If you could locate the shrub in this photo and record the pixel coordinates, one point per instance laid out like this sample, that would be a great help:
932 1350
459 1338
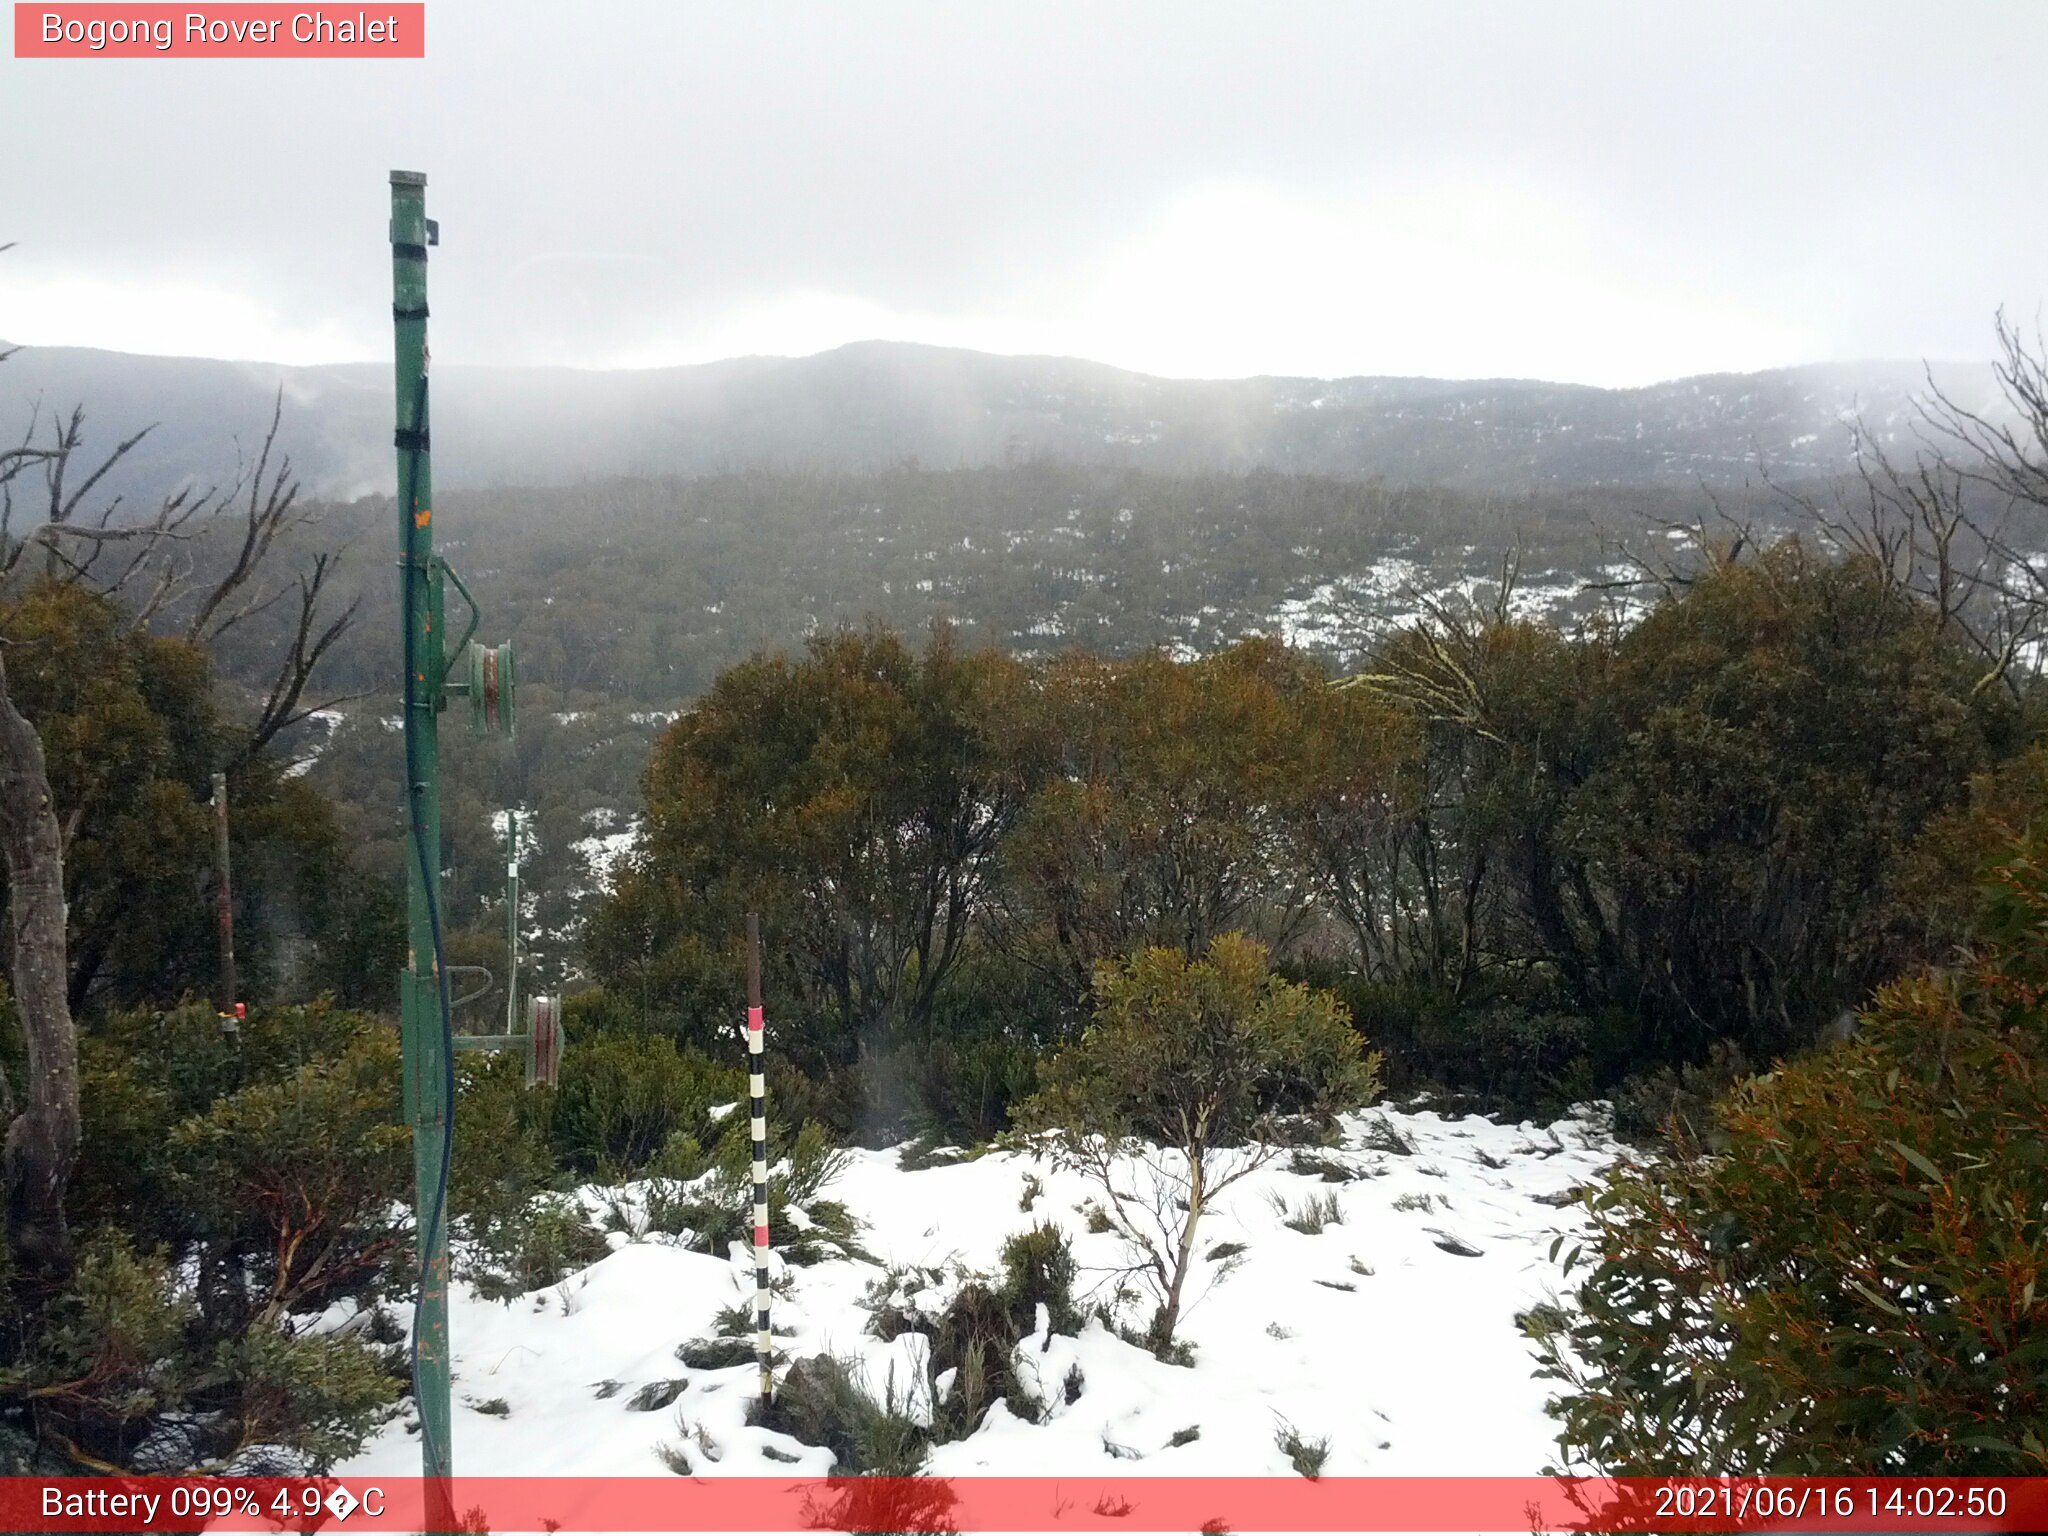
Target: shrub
1849 1284
120 1370
296 1175
823 1401
545 1243
715 1206
974 1337
1038 1269
503 1162
1305 1455
623 1096
1678 1102
1316 1213
1505 1055
890 1300
1319 1165
716 1354
1214 1058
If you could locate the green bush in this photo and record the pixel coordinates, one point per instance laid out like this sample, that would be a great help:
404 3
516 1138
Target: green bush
621 1097
1039 1269
1499 1054
547 1241
228 1186
958 1089
1850 1283
823 1401
120 1369
1216 1058
296 1176
504 1161
275 1156
1679 1102
596 1011
712 1199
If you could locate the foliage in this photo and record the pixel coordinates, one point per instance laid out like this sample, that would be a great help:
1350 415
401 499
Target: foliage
1039 1271
711 1199
235 1184
272 1155
972 1341
1791 727
1531 1061
854 800
1305 1455
504 1161
540 1245
121 1373
132 731
1851 1283
1155 809
1678 1102
1317 1212
1211 1060
621 1098
825 1401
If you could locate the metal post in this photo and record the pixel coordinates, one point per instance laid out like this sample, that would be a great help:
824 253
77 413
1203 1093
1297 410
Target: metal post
422 986
757 1090
224 899
512 922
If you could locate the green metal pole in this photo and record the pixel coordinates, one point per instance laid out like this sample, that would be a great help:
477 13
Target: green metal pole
424 1040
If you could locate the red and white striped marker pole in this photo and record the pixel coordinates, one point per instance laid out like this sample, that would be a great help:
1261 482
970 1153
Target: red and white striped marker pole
757 1090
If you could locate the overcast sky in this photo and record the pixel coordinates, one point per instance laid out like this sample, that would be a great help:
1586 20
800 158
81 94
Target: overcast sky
1608 193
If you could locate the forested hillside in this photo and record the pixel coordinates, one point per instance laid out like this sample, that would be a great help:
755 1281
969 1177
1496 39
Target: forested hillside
626 600
875 404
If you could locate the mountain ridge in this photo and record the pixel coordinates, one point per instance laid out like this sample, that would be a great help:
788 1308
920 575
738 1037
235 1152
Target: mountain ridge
871 403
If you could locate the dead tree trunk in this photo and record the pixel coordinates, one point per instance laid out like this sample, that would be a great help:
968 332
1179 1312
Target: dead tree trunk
42 1137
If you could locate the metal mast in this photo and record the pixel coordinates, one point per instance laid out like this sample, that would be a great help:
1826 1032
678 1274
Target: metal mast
426 1010
423 986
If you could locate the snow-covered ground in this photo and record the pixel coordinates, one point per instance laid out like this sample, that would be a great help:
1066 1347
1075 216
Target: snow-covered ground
1372 1332
609 842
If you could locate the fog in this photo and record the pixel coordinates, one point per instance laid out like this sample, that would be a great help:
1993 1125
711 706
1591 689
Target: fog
1599 193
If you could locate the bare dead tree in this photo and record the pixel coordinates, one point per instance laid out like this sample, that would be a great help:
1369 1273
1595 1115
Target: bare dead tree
1713 542
149 566
1960 525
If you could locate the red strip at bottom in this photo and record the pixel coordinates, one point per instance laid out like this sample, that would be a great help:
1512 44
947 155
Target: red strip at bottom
1053 1504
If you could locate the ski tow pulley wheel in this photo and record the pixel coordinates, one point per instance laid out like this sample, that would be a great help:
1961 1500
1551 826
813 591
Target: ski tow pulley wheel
491 688
543 1040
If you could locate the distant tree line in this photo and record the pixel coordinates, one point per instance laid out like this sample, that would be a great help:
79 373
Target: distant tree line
1539 861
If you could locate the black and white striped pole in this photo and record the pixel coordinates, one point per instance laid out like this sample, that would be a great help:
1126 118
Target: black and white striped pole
757 1091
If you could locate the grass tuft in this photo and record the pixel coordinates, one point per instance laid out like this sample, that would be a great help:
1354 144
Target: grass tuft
1307 1456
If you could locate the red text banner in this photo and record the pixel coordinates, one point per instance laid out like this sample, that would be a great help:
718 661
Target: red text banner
235 31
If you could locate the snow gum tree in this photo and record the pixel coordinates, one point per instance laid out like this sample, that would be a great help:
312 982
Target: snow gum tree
1190 1077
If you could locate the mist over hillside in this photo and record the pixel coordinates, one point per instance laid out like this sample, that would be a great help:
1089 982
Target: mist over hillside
874 404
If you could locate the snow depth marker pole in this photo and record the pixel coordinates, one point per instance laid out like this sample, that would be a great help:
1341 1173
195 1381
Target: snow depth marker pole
757 1090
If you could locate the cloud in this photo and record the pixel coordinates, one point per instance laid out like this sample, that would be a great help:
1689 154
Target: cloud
1585 189
170 317
1454 279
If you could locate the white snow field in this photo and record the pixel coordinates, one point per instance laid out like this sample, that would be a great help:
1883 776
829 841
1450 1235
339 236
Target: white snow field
1370 1333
